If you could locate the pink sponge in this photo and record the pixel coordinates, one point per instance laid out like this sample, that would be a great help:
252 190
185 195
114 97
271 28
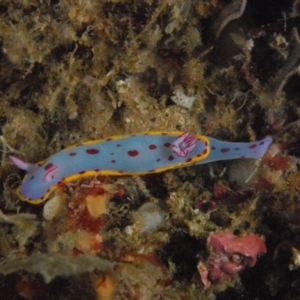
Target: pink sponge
231 255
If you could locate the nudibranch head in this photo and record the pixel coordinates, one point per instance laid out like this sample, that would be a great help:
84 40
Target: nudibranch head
37 176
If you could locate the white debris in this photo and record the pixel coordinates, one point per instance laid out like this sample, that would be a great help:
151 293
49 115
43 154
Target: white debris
52 207
148 218
181 99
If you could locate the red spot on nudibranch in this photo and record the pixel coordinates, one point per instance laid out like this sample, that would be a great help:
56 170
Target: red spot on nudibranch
171 157
167 144
252 146
152 147
51 170
92 151
224 150
164 133
81 172
151 171
188 160
133 152
97 170
204 151
121 172
146 133
48 166
205 143
108 139
72 154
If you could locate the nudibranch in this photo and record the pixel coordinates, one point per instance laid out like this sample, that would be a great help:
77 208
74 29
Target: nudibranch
138 154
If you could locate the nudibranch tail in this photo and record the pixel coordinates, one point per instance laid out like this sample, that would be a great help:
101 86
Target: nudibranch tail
22 164
220 150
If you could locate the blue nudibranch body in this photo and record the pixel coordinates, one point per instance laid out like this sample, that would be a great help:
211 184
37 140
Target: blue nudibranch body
149 152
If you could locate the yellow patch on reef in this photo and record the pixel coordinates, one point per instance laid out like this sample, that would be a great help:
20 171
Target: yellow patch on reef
104 286
97 205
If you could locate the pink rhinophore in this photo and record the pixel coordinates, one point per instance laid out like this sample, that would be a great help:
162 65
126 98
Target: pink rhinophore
20 163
